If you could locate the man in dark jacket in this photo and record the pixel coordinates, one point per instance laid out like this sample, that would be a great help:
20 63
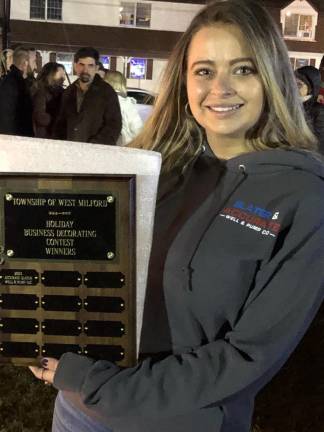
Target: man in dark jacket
15 100
309 82
90 109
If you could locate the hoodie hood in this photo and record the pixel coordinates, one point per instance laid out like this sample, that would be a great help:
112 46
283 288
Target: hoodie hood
311 77
276 160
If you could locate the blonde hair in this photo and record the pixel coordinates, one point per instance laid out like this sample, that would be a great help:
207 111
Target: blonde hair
174 133
4 60
20 55
117 81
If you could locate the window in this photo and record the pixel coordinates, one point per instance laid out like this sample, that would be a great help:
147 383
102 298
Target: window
135 14
105 60
299 21
54 9
137 68
300 26
37 9
66 59
299 62
46 9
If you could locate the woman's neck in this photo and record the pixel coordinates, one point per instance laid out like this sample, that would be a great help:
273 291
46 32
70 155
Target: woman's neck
228 148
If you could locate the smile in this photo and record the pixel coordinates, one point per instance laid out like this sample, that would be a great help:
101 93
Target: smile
224 109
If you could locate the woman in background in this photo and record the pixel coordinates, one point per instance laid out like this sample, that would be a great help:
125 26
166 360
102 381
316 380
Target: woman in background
131 120
309 82
47 98
236 270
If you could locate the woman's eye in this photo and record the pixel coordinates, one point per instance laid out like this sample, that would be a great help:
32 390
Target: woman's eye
245 70
203 72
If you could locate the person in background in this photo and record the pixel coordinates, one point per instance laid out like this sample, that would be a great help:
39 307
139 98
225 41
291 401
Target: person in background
321 92
236 270
131 120
90 109
47 98
308 82
15 99
5 61
32 71
101 70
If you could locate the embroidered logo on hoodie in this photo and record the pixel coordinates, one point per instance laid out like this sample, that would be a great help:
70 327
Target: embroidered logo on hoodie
253 217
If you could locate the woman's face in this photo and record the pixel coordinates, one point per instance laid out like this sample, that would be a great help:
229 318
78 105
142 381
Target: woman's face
224 89
58 77
302 87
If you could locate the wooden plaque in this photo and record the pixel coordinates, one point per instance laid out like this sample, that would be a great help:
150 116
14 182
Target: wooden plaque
67 267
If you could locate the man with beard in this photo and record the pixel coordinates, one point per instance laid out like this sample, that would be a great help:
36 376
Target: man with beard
90 109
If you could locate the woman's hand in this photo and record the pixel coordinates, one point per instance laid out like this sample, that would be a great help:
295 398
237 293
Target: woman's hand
47 370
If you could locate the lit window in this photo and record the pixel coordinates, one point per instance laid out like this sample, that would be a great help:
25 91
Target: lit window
300 26
137 68
299 21
46 9
66 59
105 60
135 14
297 63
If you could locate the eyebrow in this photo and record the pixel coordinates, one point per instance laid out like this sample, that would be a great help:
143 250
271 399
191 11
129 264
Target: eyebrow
232 62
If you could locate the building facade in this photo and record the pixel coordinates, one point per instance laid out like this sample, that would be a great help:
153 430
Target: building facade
136 37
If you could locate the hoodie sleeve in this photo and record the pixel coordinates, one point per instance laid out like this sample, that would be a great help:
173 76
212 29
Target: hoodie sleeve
287 294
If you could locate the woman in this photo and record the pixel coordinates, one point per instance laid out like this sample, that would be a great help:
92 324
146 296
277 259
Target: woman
47 98
309 83
6 60
131 120
238 227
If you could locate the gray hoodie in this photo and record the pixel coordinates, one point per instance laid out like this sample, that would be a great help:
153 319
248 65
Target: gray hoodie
242 277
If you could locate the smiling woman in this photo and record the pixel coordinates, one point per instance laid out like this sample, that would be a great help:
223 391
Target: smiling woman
238 226
225 92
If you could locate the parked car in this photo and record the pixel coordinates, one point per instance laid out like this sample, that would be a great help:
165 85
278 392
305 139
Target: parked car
144 101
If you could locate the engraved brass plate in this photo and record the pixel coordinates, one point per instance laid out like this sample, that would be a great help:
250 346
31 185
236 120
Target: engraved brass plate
19 277
59 225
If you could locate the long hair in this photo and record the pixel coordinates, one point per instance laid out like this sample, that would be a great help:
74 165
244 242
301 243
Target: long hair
45 76
117 80
174 133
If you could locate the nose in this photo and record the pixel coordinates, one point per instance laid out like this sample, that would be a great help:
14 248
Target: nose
221 85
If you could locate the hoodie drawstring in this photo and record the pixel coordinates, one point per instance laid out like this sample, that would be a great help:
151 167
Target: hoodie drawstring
239 179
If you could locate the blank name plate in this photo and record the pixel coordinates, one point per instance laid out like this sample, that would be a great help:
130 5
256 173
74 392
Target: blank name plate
67 267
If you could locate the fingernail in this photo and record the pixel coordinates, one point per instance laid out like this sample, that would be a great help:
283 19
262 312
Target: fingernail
44 362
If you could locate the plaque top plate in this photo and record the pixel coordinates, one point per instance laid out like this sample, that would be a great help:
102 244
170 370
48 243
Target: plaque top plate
60 226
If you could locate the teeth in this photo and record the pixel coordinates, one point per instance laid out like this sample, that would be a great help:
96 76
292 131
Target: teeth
225 109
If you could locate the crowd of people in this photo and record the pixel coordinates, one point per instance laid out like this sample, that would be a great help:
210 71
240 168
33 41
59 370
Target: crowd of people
93 109
36 104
